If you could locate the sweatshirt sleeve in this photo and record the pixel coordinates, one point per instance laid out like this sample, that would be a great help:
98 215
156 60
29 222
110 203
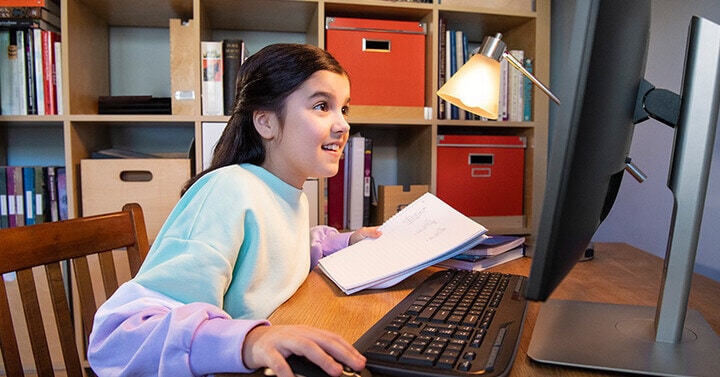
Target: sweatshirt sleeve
325 240
139 331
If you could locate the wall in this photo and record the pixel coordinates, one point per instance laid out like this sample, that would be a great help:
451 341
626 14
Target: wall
641 215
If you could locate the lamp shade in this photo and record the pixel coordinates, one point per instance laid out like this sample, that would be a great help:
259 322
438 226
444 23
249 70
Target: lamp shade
475 87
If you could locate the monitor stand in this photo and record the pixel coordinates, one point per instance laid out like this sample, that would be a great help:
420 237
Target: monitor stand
621 338
669 339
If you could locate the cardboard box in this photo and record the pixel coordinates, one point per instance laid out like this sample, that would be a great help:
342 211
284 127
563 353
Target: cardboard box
481 175
391 199
385 59
107 184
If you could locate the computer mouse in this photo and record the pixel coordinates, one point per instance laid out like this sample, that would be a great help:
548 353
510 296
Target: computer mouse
303 367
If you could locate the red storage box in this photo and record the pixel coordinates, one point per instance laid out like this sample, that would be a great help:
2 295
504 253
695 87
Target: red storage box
481 175
385 59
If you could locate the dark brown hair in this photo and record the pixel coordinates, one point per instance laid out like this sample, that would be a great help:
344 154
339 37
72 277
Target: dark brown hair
264 82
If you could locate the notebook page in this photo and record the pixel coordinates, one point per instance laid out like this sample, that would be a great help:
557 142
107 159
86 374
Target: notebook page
426 229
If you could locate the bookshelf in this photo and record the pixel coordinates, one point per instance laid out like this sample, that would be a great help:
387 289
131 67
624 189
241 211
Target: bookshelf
404 139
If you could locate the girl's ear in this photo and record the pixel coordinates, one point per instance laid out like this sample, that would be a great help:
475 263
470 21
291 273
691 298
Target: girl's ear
266 124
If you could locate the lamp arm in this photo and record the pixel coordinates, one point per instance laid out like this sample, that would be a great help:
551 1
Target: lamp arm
518 65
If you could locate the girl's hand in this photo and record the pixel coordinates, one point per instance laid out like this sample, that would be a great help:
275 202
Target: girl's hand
363 233
268 346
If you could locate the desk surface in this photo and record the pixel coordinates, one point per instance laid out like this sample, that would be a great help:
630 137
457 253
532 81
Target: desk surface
619 274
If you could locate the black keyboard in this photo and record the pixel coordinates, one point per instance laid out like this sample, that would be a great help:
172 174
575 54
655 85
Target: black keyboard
455 323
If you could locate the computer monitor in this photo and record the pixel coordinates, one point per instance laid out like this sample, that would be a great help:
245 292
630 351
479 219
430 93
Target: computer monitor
598 56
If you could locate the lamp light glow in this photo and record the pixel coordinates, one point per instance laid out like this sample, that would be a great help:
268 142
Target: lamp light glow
475 87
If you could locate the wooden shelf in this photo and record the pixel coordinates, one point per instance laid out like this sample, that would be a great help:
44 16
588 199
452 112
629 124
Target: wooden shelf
412 131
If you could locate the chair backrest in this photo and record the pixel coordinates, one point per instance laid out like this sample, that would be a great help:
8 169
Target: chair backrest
50 245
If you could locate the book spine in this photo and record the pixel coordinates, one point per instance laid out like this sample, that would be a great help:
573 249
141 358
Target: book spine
62 193
49 84
367 181
527 92
13 95
503 105
38 71
57 75
29 52
29 13
459 61
51 194
231 64
27 23
336 196
3 200
516 90
29 191
454 110
354 183
448 70
17 178
441 65
40 197
212 76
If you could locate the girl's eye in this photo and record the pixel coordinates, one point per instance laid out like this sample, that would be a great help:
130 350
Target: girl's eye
321 106
346 110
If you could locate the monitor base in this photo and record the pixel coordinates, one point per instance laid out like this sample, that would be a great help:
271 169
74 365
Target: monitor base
621 338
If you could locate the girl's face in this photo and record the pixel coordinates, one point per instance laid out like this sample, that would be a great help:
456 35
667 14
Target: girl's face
313 133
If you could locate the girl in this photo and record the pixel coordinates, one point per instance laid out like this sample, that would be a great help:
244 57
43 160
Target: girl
238 243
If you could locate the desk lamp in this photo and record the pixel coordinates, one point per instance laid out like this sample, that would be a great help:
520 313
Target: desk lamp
475 87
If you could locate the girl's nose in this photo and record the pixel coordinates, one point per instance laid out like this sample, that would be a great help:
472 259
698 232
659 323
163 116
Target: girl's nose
341 125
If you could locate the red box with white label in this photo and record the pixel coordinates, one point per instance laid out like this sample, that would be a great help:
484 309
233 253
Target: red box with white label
481 175
385 59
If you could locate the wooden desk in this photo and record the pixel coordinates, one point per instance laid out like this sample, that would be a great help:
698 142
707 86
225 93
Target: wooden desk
619 274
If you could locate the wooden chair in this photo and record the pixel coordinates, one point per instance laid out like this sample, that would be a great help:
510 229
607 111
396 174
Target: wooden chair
50 245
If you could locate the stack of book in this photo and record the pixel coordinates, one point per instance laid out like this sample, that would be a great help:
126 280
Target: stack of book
221 61
32 194
490 252
30 64
515 101
351 193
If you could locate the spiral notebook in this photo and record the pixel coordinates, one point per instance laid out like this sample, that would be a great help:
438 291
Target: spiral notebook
422 234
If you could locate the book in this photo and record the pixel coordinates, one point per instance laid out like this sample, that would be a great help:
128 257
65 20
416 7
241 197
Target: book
57 74
422 234
16 203
527 91
354 181
51 194
234 54
13 92
367 181
3 200
29 192
211 132
23 13
30 91
212 78
336 196
38 71
516 89
495 244
479 263
49 78
442 46
61 175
